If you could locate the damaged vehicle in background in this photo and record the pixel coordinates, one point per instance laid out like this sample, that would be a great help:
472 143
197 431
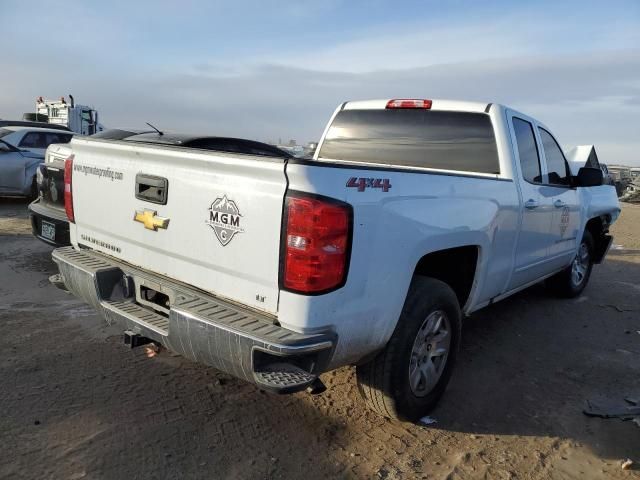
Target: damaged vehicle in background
22 150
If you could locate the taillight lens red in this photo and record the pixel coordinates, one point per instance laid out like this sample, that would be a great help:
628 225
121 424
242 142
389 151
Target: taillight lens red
68 191
317 243
409 103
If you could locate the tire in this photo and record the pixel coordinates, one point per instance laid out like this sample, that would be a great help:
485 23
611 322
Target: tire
384 382
571 281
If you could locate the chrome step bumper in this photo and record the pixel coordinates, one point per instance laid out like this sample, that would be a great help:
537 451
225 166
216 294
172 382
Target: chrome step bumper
242 342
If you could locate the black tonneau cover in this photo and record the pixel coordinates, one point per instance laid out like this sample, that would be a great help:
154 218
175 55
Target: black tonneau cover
219 144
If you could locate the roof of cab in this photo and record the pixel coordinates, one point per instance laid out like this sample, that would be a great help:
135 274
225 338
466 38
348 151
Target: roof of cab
437 104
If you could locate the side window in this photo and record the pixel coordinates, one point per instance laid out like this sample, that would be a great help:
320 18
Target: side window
33 140
527 150
557 167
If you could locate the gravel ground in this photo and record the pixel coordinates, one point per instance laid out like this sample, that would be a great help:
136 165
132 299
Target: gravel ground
75 403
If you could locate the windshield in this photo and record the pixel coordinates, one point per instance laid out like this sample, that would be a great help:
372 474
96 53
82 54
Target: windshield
11 147
4 132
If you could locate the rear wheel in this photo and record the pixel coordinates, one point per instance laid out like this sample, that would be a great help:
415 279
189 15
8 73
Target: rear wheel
571 281
406 379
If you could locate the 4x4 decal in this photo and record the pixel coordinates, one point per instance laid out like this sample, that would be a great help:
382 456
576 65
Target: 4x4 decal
363 183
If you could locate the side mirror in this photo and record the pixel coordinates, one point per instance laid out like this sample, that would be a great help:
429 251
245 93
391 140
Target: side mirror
589 177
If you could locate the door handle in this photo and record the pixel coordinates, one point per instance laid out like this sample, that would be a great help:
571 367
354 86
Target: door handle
559 204
531 204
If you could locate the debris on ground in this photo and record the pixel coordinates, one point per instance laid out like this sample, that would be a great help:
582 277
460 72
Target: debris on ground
427 420
627 464
612 408
621 309
152 350
629 409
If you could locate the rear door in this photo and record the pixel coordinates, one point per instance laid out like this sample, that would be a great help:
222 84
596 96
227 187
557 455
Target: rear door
534 239
208 219
566 205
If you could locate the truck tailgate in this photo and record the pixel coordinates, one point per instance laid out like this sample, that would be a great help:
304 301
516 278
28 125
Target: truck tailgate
218 227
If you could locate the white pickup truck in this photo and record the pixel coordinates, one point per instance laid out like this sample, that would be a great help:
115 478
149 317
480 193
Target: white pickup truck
412 214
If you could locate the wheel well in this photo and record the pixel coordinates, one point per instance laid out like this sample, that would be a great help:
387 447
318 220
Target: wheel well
595 227
598 230
455 266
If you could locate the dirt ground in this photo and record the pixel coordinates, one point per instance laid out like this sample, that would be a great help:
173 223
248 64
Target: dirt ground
75 403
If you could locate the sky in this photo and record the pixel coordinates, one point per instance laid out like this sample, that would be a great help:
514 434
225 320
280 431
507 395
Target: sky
271 70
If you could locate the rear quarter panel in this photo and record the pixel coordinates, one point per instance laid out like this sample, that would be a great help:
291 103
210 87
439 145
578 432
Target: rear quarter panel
421 213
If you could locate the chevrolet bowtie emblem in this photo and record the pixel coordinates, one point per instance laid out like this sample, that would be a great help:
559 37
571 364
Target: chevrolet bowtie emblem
150 221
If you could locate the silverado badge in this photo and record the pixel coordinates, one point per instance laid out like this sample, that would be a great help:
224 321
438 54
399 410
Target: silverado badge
149 219
224 219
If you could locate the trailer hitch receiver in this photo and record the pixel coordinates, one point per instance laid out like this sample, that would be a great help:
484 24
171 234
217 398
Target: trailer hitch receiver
133 340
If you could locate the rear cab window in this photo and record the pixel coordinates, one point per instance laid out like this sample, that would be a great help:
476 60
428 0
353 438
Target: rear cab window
444 140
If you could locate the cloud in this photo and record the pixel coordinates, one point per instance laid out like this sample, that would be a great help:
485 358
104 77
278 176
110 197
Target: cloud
580 78
424 42
592 99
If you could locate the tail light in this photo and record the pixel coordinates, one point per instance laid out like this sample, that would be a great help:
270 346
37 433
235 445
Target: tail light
409 103
316 243
68 190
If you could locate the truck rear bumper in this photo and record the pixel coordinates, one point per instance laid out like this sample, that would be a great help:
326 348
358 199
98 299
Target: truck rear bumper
242 342
39 213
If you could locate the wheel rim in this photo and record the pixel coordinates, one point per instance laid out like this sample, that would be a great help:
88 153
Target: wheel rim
580 265
429 353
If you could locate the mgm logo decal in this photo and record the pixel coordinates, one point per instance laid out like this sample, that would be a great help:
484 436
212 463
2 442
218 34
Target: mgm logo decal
224 219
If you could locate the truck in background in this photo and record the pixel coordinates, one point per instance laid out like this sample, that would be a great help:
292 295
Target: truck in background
80 119
48 221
